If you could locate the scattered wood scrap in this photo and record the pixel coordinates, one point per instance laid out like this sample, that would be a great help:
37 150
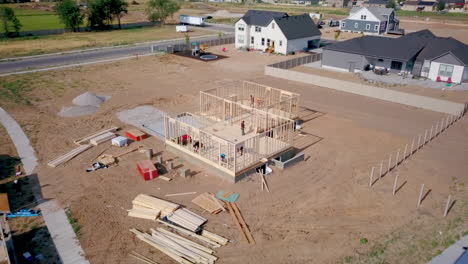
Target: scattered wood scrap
216 238
142 258
86 139
191 234
179 194
70 155
144 213
178 248
208 202
240 222
187 219
102 138
164 178
264 183
166 208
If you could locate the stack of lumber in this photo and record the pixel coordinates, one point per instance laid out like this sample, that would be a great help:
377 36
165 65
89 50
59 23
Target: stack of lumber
144 213
149 202
208 202
239 221
142 258
70 155
186 219
203 238
86 140
177 247
102 138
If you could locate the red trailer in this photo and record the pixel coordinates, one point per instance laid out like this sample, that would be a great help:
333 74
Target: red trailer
147 169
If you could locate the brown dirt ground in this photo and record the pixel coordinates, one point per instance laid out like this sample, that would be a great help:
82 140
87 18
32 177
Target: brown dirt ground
317 210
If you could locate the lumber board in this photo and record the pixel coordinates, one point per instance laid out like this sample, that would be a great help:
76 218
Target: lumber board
243 224
85 140
190 233
206 201
236 221
185 240
142 258
68 156
164 178
144 213
101 138
216 238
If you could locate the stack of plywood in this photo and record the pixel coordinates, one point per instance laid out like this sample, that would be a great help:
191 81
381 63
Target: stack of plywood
186 219
86 140
149 202
208 202
102 138
144 213
70 155
177 247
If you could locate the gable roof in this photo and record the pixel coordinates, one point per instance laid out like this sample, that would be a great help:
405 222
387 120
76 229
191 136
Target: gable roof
295 27
438 47
260 17
380 13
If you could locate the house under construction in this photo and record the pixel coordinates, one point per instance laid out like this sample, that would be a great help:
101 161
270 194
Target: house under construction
236 129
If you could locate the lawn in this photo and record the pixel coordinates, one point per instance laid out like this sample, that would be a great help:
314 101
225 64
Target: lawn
34 18
26 46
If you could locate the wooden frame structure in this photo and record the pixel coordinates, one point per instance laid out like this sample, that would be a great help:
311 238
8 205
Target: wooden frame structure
214 134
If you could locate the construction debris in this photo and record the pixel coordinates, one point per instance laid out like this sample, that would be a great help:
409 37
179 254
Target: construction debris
96 166
164 178
186 219
144 213
178 194
166 208
208 202
227 196
102 138
70 155
106 159
178 248
142 258
86 139
216 238
240 222
191 234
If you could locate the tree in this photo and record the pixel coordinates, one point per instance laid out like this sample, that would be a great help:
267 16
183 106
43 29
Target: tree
440 5
11 24
117 9
70 15
99 14
160 10
391 4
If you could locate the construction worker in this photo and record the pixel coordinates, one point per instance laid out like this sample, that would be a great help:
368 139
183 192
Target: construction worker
243 127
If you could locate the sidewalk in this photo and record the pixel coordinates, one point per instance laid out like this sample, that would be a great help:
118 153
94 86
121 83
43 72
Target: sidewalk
62 234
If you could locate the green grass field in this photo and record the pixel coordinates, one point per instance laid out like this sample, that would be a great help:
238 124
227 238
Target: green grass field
34 19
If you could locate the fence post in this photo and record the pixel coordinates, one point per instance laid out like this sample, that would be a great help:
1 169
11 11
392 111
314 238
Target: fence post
381 167
430 136
396 159
412 145
420 194
436 128
404 154
395 183
447 206
419 141
389 163
371 177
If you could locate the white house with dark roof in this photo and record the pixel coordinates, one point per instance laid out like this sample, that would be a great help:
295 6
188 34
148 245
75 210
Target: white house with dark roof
277 31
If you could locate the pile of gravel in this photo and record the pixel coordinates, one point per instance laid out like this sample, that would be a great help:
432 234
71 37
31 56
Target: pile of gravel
86 104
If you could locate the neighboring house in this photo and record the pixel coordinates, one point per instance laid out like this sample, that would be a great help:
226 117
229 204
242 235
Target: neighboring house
277 31
305 2
420 54
371 21
419 6
375 3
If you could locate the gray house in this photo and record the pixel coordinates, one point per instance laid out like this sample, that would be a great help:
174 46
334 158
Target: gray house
420 53
371 21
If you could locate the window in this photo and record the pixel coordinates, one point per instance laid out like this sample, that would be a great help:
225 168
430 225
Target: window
281 43
356 25
241 27
258 29
273 25
367 26
380 60
396 65
343 24
268 42
376 27
251 40
263 41
363 17
240 39
445 70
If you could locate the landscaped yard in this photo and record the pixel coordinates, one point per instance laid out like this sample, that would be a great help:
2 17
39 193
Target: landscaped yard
54 43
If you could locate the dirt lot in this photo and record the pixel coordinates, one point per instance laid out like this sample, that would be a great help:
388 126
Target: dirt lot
318 210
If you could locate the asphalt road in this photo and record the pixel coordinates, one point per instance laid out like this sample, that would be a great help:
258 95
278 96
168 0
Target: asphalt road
75 57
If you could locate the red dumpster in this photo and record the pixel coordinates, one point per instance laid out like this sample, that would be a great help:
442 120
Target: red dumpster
147 170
